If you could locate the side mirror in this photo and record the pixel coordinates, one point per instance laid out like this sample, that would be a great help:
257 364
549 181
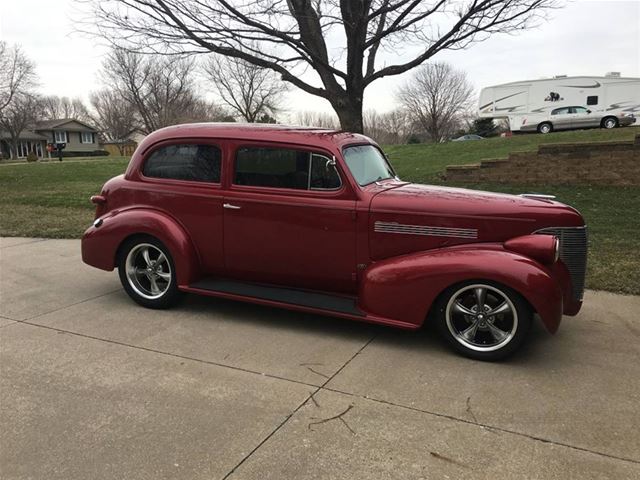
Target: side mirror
588 111
330 163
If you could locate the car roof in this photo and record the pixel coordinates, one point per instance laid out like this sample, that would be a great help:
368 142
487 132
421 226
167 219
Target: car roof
308 136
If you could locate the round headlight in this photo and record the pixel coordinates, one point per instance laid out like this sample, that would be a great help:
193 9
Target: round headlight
556 255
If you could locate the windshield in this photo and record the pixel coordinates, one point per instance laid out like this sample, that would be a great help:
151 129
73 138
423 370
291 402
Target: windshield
367 164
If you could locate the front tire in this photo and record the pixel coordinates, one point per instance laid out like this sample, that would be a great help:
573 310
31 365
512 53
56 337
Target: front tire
483 320
610 122
545 127
147 272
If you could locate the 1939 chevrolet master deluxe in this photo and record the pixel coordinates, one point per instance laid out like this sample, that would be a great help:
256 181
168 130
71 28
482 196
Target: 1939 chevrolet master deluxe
316 220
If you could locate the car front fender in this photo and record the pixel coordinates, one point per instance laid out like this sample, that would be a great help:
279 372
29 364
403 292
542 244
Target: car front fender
100 244
404 288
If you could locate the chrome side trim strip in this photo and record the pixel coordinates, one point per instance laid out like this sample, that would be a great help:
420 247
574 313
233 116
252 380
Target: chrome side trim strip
394 227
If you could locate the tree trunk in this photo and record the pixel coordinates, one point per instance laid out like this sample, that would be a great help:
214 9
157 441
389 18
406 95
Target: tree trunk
349 111
14 149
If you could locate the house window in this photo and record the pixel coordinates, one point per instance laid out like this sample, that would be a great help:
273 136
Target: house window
86 137
592 100
59 136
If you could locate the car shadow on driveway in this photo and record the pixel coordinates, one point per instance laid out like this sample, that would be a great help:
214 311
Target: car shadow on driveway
425 338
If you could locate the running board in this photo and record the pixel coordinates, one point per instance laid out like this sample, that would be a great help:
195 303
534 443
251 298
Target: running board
302 298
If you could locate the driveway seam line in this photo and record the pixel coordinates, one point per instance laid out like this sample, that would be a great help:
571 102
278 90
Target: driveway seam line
304 402
36 240
317 389
175 355
68 306
483 425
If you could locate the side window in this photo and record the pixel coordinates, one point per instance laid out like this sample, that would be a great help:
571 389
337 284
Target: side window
560 111
284 168
324 175
196 163
592 100
579 110
272 167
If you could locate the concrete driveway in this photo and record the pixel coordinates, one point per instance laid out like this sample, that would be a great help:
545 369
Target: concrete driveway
93 386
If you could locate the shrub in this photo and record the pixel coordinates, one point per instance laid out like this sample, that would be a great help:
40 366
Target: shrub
32 157
94 153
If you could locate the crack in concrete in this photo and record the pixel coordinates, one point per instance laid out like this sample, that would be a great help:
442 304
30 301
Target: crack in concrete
491 428
335 417
232 471
317 388
469 411
447 459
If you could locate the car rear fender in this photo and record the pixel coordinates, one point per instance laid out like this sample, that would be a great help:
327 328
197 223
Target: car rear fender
404 288
100 244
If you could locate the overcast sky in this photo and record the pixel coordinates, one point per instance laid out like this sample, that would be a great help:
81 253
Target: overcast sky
587 37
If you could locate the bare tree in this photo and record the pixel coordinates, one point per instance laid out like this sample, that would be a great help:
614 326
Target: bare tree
17 74
291 37
437 97
18 116
54 107
316 119
388 128
248 90
160 88
114 117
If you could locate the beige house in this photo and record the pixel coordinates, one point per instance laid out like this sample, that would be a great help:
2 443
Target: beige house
78 136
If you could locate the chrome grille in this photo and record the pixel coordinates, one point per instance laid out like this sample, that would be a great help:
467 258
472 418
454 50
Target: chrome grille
573 252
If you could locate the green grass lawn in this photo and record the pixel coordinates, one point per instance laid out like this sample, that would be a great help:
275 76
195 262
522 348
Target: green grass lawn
51 199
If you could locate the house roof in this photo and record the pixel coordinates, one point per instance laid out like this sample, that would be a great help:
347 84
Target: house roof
61 122
24 135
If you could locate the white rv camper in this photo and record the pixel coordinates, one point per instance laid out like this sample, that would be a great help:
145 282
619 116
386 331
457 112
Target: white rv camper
527 104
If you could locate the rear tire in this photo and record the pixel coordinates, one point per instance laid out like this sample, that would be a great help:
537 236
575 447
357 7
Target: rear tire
492 334
545 127
147 272
609 122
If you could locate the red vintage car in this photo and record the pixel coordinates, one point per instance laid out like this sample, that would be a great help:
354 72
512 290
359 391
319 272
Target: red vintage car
316 220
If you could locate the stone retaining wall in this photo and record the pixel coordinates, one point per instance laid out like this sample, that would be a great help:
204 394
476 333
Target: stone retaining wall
596 163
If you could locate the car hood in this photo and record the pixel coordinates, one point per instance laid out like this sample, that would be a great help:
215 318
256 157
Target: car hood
444 204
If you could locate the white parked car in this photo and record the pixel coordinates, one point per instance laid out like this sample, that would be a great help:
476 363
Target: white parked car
572 118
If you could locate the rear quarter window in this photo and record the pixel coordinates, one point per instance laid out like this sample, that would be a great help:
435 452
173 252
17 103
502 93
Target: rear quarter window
189 162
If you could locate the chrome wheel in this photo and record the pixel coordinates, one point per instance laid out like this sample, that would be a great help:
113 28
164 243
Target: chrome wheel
481 317
148 271
610 123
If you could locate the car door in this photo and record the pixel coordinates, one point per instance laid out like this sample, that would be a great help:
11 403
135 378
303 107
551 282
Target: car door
584 118
562 118
289 219
182 177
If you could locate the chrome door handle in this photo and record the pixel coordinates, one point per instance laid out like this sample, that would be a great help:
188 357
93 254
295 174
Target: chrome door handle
231 207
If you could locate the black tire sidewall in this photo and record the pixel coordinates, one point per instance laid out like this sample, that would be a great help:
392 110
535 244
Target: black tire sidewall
540 127
524 322
171 296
